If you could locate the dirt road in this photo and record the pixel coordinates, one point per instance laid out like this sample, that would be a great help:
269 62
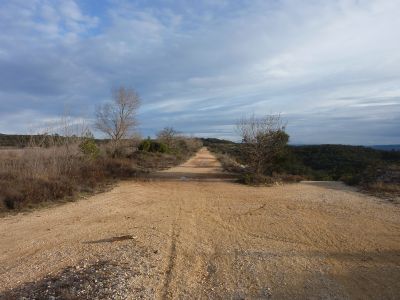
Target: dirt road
185 239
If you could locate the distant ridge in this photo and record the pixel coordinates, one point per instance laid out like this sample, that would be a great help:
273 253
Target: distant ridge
16 140
395 147
386 147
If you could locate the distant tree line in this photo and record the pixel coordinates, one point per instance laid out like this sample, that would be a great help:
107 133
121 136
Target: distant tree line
351 164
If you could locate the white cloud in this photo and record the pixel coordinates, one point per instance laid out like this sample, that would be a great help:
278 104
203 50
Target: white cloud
202 63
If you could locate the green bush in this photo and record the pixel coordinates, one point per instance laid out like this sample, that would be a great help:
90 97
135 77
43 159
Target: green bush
153 146
354 165
145 145
89 148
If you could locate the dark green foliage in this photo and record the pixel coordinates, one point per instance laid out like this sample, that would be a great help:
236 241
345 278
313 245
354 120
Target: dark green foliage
354 165
42 140
145 145
229 148
182 149
89 148
394 148
149 145
351 164
21 141
14 140
351 179
212 141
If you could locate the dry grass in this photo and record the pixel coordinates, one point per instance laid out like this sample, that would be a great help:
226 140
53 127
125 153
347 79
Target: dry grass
229 164
31 176
35 175
37 162
389 191
386 187
246 177
181 149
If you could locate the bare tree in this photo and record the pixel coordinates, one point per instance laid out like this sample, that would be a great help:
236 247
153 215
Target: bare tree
118 118
167 136
263 140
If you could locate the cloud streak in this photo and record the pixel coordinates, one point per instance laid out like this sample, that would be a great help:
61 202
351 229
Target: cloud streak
331 68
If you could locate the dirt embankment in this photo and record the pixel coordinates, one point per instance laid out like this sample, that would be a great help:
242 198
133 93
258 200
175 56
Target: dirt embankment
187 238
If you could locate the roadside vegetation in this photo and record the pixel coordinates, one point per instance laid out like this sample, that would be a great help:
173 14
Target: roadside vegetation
36 175
264 157
263 146
66 161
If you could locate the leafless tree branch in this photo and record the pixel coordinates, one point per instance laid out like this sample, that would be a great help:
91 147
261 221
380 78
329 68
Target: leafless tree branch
117 119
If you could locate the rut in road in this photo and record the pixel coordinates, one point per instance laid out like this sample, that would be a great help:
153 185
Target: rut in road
171 260
195 234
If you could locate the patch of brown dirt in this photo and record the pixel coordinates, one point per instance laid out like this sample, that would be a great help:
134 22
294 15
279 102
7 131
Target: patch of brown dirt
203 166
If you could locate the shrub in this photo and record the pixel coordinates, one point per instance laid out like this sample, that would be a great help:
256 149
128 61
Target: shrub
145 145
256 179
230 164
187 146
153 146
11 198
27 192
35 175
350 179
152 161
264 142
119 168
382 187
89 148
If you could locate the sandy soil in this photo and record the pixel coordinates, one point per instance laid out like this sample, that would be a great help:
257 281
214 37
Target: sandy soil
220 240
203 166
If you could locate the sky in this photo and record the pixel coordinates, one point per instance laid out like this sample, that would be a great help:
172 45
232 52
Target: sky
331 68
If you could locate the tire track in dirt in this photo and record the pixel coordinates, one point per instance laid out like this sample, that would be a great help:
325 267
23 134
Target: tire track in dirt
171 263
172 254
